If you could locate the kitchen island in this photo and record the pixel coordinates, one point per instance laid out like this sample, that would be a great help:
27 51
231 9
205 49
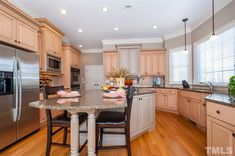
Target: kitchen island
142 115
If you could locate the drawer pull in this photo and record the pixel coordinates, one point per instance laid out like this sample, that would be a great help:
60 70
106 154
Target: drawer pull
204 104
233 134
218 112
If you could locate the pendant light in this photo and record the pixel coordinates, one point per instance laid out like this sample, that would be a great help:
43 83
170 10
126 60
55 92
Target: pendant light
213 36
185 37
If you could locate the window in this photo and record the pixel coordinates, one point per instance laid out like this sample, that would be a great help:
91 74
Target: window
215 59
179 66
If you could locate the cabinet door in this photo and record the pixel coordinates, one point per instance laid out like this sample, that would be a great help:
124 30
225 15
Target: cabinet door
7 28
114 61
133 61
161 63
107 63
160 100
220 135
134 117
171 102
48 40
202 121
194 110
57 45
144 112
184 106
27 37
155 64
142 64
148 64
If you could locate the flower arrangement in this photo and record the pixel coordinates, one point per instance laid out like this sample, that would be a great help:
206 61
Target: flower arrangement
120 73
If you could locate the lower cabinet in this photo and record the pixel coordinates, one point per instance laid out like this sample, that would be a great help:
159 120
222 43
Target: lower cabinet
167 99
192 106
220 130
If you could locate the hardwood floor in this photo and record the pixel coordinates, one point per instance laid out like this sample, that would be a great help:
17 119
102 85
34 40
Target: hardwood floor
174 136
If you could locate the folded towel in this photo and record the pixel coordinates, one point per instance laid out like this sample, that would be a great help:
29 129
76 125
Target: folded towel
68 94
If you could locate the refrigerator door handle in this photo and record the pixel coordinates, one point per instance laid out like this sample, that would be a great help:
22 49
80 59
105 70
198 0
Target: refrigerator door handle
19 90
16 90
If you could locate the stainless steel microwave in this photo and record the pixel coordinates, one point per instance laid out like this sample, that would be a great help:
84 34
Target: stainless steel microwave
53 63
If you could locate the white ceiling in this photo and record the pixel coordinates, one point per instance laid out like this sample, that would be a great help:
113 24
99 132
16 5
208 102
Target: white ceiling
137 23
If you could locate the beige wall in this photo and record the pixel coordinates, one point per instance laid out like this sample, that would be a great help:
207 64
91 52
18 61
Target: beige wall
89 59
223 17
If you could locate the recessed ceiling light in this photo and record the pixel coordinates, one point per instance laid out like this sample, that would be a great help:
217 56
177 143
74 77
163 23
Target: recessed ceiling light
105 9
128 7
80 30
62 11
154 27
116 28
80 46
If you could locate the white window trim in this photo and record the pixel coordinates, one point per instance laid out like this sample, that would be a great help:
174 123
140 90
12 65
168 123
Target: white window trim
189 48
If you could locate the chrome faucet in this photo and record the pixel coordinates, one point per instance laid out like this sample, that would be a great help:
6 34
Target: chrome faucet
209 84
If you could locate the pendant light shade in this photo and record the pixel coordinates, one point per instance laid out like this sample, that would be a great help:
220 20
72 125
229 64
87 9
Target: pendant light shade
185 37
213 36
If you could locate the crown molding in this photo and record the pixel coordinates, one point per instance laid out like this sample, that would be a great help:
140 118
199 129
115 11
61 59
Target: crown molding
177 33
131 41
91 50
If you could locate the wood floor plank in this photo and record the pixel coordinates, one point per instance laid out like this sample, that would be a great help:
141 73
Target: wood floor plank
173 136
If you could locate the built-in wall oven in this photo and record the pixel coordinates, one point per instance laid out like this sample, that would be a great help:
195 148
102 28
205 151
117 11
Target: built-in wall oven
53 63
75 73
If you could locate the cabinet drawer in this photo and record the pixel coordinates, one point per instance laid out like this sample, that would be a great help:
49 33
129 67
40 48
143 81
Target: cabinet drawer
166 91
221 112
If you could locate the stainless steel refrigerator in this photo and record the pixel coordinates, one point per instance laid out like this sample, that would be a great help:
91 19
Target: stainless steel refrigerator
19 85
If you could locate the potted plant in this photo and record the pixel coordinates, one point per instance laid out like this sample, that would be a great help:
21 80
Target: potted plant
231 86
120 75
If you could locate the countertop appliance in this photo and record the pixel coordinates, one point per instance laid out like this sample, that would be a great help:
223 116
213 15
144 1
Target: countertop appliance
75 73
19 85
158 81
53 63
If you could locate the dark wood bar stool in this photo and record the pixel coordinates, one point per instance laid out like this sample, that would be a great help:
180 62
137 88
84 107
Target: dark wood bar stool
62 122
114 120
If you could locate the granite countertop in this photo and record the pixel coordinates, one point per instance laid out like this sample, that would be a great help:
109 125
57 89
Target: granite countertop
187 89
223 99
141 91
91 100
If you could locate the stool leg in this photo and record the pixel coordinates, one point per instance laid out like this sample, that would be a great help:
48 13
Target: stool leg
101 136
97 138
128 142
65 135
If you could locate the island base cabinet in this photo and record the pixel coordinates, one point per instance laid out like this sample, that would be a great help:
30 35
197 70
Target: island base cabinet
142 120
220 138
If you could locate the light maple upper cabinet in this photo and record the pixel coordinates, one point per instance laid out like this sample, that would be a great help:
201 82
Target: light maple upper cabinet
17 28
110 60
152 62
27 37
51 42
7 28
75 58
220 129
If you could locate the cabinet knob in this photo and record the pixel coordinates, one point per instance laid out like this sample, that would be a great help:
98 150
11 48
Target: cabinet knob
204 104
218 112
233 134
15 40
18 41
189 101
